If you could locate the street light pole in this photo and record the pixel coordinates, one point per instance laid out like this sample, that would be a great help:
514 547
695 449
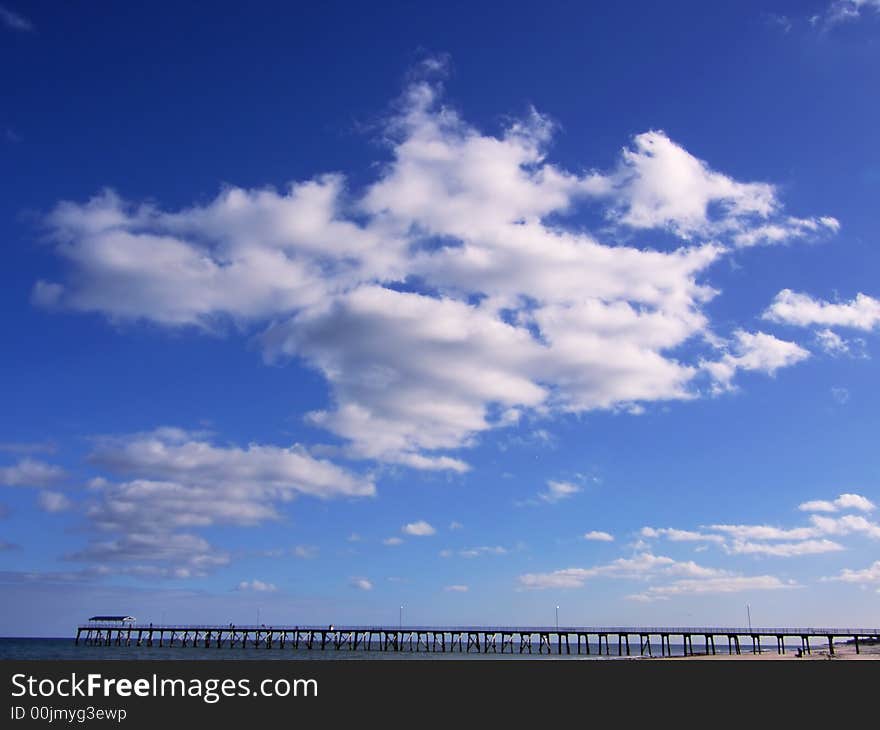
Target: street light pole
557 618
749 614
400 618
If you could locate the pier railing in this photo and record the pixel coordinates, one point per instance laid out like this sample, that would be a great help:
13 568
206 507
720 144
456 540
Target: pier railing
632 630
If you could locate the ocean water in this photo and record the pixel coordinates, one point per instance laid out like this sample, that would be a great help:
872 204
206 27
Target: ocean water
64 648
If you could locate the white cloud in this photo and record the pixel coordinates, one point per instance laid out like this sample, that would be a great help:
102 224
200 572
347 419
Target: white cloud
840 395
675 535
476 552
755 351
557 491
784 549
54 501
31 473
418 529
178 481
660 185
456 525
599 536
257 586
867 575
846 525
456 589
362 584
682 577
440 301
765 532
843 502
305 552
180 555
392 541
786 230
15 21
724 584
840 11
268 471
354 537
836 346
789 307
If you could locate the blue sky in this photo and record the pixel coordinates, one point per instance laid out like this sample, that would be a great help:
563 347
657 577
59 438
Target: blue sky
476 309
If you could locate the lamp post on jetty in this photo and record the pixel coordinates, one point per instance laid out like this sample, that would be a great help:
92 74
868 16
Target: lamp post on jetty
557 618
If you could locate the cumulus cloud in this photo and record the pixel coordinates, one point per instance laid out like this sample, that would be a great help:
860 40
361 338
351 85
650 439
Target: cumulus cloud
661 185
31 473
418 529
754 351
448 296
789 307
257 586
843 502
846 525
599 536
392 541
362 584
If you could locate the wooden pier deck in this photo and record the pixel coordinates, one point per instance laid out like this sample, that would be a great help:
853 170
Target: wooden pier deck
540 640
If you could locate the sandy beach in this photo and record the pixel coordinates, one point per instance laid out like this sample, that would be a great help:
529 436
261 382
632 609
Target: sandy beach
843 652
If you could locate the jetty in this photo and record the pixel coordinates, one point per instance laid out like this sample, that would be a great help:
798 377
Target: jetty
542 640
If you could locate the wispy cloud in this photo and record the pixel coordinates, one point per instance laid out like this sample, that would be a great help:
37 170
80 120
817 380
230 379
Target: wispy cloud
362 584
173 483
15 21
256 586
557 491
305 552
54 502
675 535
686 577
475 552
